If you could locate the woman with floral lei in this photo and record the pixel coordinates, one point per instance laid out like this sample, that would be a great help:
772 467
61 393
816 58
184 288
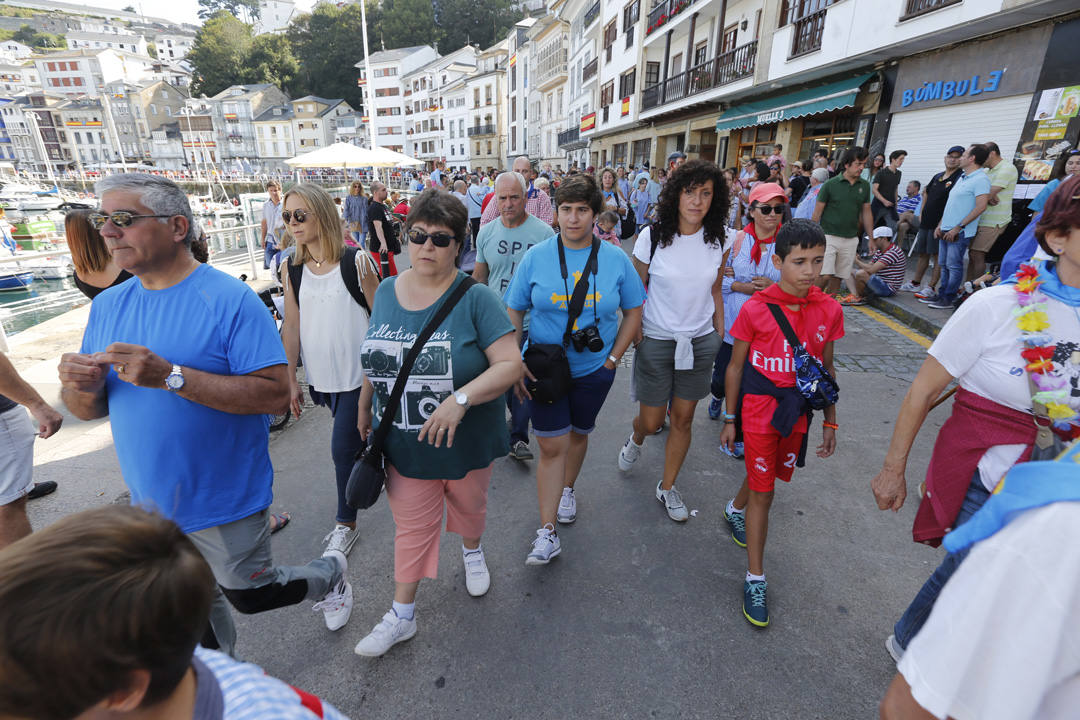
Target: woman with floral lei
1014 350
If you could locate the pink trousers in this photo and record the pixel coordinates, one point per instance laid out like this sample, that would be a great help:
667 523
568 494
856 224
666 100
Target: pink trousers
418 506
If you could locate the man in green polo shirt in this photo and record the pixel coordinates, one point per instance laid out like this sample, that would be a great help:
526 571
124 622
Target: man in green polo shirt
998 213
842 203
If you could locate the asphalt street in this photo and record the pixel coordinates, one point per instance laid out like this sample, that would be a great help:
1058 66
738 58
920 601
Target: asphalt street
639 616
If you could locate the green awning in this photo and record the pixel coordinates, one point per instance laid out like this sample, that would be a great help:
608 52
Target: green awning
811 101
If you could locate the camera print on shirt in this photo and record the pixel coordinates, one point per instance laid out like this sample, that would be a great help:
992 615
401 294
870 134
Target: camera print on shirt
562 301
430 382
1067 365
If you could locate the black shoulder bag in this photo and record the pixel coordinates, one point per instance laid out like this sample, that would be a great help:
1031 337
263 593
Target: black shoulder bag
369 468
627 223
548 362
812 380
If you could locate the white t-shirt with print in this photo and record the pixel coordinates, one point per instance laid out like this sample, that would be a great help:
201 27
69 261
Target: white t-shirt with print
980 346
681 278
1002 642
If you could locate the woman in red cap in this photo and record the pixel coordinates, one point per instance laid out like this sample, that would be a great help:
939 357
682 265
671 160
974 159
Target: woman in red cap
749 269
682 258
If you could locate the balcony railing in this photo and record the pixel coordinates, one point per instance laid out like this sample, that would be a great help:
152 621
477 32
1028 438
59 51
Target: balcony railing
729 67
914 8
572 135
481 130
591 14
806 35
589 71
663 12
551 67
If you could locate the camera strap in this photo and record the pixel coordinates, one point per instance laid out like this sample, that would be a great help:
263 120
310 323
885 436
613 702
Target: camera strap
576 303
378 438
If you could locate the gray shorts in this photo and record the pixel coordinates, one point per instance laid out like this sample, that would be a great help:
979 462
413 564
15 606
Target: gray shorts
17 434
656 380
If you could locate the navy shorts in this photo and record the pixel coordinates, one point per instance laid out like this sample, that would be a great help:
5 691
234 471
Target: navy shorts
576 411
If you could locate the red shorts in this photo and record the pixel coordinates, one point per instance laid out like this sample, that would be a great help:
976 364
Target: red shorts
769 458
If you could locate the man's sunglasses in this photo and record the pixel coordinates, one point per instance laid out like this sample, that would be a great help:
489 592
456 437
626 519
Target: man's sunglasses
769 209
120 218
300 215
439 240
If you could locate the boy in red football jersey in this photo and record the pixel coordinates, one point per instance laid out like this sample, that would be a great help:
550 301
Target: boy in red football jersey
775 417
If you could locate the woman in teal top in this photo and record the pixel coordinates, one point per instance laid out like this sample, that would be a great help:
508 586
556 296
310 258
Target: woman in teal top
538 287
450 425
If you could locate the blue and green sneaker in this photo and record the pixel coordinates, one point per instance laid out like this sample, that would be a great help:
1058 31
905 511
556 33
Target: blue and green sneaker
737 523
754 607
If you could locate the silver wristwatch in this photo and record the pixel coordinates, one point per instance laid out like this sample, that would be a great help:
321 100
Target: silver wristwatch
175 381
462 399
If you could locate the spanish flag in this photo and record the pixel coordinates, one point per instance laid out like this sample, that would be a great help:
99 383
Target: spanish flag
626 105
513 60
588 122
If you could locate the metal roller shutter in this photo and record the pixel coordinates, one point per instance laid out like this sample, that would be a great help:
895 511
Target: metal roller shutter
927 134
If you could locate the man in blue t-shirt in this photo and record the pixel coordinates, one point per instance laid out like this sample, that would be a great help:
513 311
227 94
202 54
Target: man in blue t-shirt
959 223
186 363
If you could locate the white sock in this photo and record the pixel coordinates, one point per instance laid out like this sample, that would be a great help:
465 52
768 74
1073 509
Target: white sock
404 610
750 577
466 551
732 509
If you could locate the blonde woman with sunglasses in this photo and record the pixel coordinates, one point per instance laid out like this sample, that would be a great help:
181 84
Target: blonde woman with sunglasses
326 322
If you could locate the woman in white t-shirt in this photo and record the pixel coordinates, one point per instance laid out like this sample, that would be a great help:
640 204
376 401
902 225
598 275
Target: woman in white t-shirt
325 322
1015 351
683 318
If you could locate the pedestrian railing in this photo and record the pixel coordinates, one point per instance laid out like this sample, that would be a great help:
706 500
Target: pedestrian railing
222 240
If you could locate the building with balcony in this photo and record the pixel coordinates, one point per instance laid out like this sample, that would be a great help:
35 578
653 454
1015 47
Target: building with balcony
198 137
274 16
233 110
126 41
485 138
352 128
581 87
24 147
315 121
548 59
458 113
274 131
167 147
387 96
618 83
429 138
172 44
517 97
84 72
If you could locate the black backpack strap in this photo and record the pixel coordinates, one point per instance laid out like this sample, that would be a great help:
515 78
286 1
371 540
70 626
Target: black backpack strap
296 274
785 326
378 438
654 237
348 275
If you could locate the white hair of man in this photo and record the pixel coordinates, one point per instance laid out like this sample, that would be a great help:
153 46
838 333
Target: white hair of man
514 175
160 195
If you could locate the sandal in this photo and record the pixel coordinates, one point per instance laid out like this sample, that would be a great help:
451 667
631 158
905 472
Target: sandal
278 521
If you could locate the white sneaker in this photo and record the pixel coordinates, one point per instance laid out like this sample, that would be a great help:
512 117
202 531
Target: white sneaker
567 507
336 606
894 648
909 287
672 500
388 633
477 577
545 546
341 539
629 453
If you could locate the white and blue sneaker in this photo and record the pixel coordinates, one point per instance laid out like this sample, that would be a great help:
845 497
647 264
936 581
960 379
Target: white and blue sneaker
545 546
629 453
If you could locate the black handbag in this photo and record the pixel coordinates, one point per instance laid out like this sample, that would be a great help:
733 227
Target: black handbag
628 224
548 361
368 473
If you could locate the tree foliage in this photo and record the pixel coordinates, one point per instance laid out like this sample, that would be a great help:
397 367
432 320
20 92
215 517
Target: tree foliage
270 60
471 22
327 43
151 50
405 23
221 46
237 8
37 39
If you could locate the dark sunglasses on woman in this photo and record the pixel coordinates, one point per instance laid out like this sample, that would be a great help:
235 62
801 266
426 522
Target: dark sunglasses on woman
769 209
439 240
300 215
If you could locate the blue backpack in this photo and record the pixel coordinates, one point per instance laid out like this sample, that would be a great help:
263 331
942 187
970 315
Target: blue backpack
812 380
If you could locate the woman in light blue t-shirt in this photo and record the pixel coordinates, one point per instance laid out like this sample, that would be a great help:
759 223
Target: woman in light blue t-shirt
539 288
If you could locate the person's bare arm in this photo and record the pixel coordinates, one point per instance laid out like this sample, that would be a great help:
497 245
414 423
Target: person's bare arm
378 226
480 272
899 704
261 391
819 208
642 270
889 485
994 190
15 388
732 386
83 386
718 298
363 409
290 337
629 329
828 434
867 219
503 372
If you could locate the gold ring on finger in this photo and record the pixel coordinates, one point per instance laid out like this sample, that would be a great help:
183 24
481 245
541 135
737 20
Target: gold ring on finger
119 369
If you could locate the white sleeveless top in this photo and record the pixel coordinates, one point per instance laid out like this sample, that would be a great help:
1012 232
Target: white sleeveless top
332 329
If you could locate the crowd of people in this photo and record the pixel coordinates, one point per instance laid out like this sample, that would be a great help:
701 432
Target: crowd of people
519 305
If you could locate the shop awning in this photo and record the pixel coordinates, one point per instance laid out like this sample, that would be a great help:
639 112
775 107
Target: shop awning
812 101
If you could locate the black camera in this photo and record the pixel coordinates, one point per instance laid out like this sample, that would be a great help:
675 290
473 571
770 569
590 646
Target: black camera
587 338
380 362
420 403
432 360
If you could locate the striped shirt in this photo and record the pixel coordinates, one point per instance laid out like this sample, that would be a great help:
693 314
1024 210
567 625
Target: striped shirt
537 204
909 203
895 266
231 690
